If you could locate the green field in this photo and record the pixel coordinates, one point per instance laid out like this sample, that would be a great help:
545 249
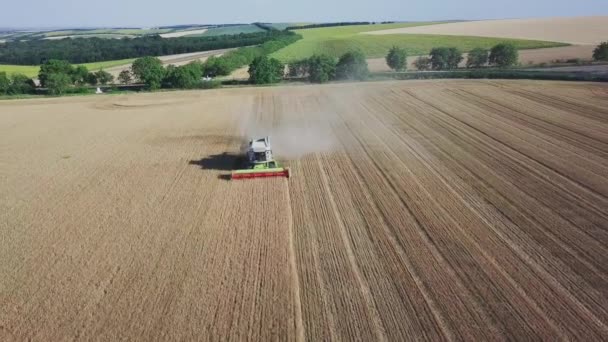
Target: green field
282 26
335 41
107 64
32 70
219 31
27 70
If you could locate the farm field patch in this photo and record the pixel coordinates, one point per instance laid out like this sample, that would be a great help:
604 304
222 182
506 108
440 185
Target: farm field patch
228 30
335 41
571 30
434 210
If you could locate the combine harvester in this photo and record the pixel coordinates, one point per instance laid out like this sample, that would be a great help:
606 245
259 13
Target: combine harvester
260 162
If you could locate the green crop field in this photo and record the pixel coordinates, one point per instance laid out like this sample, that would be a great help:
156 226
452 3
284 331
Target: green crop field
27 70
335 41
218 31
282 26
97 33
32 70
107 64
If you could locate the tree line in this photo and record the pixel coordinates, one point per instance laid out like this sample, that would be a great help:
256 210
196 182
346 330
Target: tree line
59 77
502 55
323 68
16 84
86 50
448 58
149 70
227 63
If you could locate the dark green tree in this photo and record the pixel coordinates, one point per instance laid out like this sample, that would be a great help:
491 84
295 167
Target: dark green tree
439 58
92 79
454 58
149 71
423 63
397 59
264 70
477 58
600 53
183 77
125 77
5 83
58 83
504 55
321 68
218 66
444 58
352 66
298 68
54 66
80 74
104 77
21 84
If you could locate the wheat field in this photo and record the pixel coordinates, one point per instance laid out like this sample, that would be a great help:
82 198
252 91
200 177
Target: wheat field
426 210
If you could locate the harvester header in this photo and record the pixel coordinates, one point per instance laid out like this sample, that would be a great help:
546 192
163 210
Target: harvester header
260 162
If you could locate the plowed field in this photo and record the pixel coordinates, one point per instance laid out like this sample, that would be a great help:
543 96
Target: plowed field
439 210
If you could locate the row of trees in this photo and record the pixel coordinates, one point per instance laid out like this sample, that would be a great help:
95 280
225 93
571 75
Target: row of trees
322 68
85 50
16 84
317 69
59 75
151 72
226 64
448 58
56 76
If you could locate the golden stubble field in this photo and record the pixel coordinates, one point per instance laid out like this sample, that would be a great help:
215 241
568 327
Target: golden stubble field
427 210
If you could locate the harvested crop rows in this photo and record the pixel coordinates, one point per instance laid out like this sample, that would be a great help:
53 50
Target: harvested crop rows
439 210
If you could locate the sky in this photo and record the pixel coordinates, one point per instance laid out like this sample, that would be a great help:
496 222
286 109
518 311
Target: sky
150 13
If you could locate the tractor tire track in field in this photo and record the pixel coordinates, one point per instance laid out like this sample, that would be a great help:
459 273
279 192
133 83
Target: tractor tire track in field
443 210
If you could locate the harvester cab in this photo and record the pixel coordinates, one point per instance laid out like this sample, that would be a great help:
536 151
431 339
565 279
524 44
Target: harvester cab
260 162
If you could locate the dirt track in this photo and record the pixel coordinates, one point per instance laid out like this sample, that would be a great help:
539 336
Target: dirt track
441 210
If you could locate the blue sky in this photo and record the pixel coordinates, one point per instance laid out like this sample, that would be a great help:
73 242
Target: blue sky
61 13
